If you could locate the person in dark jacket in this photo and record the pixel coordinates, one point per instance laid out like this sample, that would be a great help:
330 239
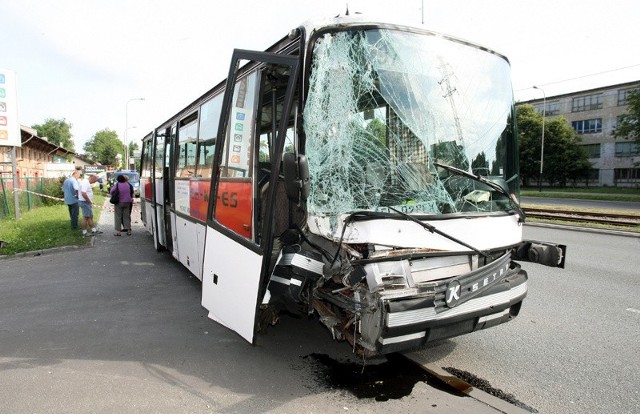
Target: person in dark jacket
122 210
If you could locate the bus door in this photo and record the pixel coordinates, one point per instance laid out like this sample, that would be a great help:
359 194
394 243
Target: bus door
164 221
146 196
162 190
235 261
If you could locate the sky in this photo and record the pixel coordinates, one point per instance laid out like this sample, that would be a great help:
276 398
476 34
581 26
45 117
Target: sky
88 61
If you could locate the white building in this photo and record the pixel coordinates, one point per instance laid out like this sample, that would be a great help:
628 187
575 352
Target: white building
594 114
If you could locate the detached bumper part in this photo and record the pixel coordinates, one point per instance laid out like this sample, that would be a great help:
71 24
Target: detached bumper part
544 253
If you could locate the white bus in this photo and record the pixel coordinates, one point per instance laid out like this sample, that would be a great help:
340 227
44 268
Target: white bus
362 172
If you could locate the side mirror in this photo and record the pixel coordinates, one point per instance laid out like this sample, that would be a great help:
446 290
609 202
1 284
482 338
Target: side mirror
296 177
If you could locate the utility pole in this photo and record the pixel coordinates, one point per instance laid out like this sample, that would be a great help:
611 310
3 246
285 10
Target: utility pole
544 110
16 184
126 128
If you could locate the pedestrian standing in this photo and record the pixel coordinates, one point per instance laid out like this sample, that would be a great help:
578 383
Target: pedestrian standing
85 195
70 188
122 210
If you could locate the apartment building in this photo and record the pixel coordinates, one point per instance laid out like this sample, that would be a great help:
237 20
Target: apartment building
594 114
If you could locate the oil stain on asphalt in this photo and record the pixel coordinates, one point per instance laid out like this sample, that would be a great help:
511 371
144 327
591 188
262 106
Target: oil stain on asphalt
393 378
380 380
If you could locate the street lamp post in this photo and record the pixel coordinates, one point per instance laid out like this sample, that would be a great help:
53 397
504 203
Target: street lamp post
126 129
125 161
544 110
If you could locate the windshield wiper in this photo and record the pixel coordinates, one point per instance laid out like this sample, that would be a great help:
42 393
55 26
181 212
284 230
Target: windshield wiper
489 183
433 229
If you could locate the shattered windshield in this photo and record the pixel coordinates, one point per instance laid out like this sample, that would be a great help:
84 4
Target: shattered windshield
384 105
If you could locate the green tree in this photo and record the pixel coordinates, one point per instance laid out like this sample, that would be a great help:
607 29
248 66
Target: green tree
564 158
133 146
498 164
104 146
450 153
378 129
480 165
629 125
57 131
529 130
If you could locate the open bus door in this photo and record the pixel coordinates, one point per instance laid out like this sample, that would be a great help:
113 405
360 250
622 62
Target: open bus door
162 194
236 261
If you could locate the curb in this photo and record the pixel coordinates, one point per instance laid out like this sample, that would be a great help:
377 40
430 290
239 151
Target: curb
477 394
88 243
586 229
53 250
490 402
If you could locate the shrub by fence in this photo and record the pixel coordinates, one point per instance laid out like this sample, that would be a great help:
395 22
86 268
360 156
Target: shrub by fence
26 197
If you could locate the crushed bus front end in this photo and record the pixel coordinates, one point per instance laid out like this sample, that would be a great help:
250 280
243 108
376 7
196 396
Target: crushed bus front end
412 224
384 299
404 317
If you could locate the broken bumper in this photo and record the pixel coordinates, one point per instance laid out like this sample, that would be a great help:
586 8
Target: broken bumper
412 323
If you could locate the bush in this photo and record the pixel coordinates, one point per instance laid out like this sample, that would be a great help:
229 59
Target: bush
52 187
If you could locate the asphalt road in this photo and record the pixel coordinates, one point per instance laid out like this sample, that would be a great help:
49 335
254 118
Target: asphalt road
119 328
575 347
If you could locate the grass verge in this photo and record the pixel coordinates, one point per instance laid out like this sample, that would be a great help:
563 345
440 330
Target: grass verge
42 228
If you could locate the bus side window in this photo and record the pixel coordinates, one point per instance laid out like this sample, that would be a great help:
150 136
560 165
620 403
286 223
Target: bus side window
234 198
209 119
159 161
187 142
145 173
146 158
236 154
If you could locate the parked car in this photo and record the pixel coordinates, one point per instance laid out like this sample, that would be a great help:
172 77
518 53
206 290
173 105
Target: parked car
133 178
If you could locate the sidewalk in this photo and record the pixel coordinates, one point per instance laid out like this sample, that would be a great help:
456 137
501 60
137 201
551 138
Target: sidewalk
107 227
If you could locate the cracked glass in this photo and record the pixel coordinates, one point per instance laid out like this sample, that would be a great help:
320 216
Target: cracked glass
384 105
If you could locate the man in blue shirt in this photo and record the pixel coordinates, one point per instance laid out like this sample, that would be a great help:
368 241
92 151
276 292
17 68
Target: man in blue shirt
70 189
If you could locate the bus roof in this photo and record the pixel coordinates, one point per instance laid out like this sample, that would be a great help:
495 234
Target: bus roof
320 24
309 28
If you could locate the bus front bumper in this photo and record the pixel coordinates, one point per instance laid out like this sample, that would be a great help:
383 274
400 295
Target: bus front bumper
409 324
